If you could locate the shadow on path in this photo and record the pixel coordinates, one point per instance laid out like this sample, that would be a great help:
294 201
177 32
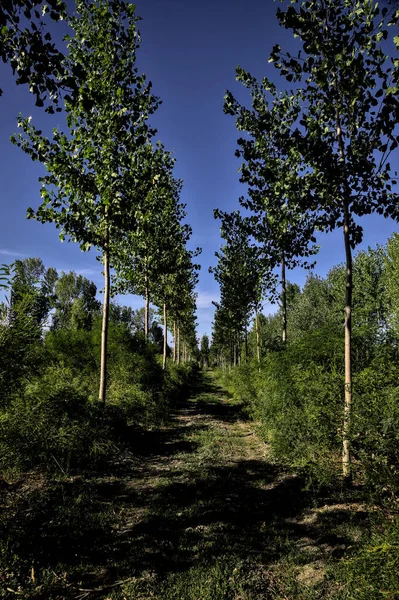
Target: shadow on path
174 508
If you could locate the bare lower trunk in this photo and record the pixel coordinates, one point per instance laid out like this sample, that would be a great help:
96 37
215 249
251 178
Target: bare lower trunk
104 328
146 312
174 341
178 345
284 299
246 343
257 338
165 336
346 454
346 450
235 355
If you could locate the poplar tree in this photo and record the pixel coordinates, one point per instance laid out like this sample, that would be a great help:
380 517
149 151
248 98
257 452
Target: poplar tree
178 279
93 168
145 252
273 171
243 273
347 127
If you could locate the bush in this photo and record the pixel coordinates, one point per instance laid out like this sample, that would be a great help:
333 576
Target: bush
56 423
298 399
373 573
299 406
375 430
50 424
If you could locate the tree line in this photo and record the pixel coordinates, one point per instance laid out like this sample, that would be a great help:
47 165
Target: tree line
315 156
108 185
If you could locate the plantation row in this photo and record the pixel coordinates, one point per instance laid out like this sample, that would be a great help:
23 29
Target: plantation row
108 185
50 341
314 158
295 390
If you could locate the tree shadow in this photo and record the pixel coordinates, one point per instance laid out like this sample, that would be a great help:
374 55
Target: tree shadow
148 517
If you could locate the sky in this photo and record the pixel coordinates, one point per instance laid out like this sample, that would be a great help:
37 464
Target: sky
189 51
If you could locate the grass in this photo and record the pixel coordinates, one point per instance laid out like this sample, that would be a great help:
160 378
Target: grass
190 511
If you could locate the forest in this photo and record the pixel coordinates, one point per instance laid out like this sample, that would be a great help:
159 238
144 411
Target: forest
262 461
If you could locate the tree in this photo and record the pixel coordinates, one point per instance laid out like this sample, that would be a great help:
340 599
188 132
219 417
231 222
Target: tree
32 295
391 281
272 170
312 308
93 169
75 304
204 350
347 126
243 275
24 317
141 257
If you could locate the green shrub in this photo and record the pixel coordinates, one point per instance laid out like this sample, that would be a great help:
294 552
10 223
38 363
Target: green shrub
375 428
373 572
299 408
50 424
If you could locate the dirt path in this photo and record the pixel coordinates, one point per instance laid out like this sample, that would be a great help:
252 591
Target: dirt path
193 511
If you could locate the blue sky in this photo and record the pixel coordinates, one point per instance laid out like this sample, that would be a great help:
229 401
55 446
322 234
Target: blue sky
189 52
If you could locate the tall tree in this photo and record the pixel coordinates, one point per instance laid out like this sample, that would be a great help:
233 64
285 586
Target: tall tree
75 304
94 167
204 350
348 126
272 170
243 275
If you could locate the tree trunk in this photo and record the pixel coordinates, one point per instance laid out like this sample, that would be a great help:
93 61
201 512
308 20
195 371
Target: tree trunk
235 355
257 339
178 345
346 454
146 311
174 341
104 328
246 342
284 299
165 336
346 450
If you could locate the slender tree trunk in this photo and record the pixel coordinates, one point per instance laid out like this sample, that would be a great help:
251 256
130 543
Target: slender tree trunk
235 355
346 450
104 328
178 345
246 342
346 453
165 336
174 341
146 311
257 338
284 299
